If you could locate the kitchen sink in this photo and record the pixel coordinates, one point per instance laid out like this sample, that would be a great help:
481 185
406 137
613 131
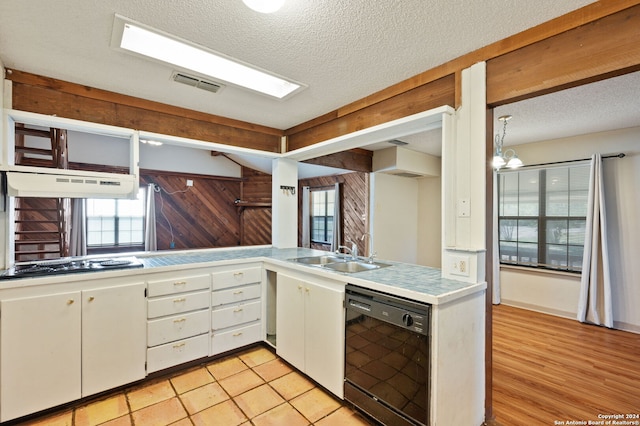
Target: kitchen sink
318 260
354 266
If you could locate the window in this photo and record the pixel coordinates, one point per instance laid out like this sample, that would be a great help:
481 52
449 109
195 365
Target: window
116 223
322 203
542 217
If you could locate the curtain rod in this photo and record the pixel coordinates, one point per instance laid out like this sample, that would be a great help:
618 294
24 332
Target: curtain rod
621 155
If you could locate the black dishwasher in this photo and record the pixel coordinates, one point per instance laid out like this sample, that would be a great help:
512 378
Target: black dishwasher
387 363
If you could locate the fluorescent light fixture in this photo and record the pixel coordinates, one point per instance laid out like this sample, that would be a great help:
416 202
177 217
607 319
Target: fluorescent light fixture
150 142
264 6
143 40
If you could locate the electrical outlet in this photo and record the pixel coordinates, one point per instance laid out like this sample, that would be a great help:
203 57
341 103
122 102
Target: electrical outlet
460 265
189 182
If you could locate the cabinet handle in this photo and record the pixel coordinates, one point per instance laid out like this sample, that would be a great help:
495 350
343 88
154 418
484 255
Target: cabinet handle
70 302
238 292
181 345
307 289
299 287
182 299
179 320
237 310
179 283
91 298
237 334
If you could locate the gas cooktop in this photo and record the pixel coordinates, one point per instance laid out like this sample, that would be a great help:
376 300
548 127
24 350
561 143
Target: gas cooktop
69 265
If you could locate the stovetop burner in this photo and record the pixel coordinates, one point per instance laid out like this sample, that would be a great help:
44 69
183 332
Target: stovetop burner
69 265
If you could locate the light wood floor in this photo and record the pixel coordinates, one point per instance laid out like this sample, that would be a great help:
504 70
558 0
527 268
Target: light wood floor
548 369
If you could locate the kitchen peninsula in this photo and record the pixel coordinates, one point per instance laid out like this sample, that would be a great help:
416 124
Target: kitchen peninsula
190 305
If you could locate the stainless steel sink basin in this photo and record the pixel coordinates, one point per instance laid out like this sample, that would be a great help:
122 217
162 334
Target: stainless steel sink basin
318 260
354 266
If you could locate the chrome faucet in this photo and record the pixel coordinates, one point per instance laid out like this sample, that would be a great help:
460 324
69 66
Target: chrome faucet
353 251
371 253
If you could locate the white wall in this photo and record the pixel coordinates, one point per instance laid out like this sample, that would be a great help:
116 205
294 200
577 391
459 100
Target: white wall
558 294
394 217
429 221
100 149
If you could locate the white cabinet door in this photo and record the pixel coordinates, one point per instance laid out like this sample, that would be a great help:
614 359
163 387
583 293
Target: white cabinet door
114 343
324 336
39 353
310 329
290 320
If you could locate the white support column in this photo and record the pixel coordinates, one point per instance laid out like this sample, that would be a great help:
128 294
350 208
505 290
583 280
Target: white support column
284 226
463 181
4 210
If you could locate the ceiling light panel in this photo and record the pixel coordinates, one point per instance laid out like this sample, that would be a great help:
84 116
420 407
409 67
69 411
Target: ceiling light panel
151 43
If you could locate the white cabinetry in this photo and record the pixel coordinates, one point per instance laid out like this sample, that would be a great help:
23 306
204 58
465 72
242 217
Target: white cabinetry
59 347
178 318
310 329
236 307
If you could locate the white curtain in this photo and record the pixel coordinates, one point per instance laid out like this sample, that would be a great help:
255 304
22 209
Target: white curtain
337 219
150 237
306 226
496 242
78 233
595 304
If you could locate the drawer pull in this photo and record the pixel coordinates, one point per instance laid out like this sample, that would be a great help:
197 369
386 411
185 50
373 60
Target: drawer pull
179 320
70 302
179 283
91 298
182 299
238 274
238 292
237 310
237 334
178 346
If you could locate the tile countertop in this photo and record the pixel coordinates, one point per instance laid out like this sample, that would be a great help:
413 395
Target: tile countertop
415 282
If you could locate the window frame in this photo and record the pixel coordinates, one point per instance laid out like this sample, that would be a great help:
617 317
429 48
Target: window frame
542 220
117 246
327 232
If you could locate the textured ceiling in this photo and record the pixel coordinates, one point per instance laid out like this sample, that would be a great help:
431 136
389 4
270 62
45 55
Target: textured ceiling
343 50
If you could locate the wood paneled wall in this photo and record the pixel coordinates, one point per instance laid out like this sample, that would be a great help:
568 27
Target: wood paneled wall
355 207
49 96
255 214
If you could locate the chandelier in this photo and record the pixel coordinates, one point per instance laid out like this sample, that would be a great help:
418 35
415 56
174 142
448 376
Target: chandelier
507 158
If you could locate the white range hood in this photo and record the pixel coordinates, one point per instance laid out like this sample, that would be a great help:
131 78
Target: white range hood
406 163
70 184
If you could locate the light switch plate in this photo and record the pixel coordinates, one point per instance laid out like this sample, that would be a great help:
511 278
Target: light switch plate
464 209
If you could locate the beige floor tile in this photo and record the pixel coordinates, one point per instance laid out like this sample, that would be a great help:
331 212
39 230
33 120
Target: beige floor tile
57 419
291 385
344 417
120 421
258 400
226 367
241 382
191 379
257 356
150 394
102 411
203 397
224 414
183 422
160 414
273 369
315 404
283 414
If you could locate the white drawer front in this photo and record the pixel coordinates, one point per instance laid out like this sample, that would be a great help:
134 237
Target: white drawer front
235 315
178 303
226 279
170 354
236 294
170 329
232 339
178 285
